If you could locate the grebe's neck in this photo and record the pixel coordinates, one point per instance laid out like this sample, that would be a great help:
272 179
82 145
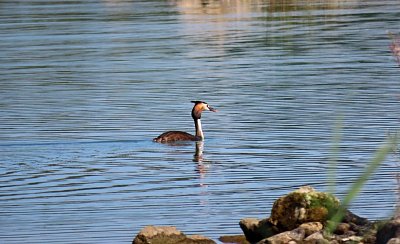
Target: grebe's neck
199 130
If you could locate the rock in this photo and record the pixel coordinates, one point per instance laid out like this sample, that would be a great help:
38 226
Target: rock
311 227
237 239
353 239
389 230
394 241
350 217
342 228
197 239
302 206
296 235
316 238
167 235
158 234
354 224
255 230
369 238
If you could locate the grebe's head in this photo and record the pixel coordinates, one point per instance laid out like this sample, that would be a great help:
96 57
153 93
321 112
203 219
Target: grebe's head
199 107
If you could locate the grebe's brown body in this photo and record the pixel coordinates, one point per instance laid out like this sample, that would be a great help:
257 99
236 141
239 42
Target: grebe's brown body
174 136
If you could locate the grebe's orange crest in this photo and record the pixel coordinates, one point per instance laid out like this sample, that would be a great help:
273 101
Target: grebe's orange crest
202 106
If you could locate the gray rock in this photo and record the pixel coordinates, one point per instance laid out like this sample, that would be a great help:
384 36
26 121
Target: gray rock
352 239
316 238
167 235
296 235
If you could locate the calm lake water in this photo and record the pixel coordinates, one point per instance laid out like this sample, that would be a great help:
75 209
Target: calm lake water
85 86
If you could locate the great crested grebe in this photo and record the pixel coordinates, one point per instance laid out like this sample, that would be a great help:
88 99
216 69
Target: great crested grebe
173 136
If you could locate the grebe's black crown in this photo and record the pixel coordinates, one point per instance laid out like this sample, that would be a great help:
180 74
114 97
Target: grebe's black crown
197 102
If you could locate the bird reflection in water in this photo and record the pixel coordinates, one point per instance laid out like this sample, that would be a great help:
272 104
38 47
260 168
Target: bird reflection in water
198 157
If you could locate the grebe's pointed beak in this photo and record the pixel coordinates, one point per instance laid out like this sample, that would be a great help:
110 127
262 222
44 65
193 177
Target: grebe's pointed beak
212 109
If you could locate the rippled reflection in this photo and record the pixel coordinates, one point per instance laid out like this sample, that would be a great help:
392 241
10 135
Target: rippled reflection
240 7
395 47
202 164
198 155
215 7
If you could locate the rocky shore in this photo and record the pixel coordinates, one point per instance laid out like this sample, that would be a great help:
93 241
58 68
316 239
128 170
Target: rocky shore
302 216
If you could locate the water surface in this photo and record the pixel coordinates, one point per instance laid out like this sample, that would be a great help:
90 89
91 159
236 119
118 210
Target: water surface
86 85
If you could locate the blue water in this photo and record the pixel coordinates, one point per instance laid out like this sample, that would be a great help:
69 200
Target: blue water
86 85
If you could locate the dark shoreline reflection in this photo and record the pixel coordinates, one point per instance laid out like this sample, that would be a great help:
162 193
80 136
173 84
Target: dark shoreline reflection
216 7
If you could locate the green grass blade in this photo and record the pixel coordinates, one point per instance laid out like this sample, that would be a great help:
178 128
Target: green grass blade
377 160
334 155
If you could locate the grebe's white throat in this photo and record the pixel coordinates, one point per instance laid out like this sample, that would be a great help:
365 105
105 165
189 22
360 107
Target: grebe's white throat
199 129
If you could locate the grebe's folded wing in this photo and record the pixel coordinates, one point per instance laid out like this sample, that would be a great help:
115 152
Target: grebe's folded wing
172 136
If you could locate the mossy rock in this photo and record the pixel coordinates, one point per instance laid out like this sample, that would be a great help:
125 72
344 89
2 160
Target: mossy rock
302 206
